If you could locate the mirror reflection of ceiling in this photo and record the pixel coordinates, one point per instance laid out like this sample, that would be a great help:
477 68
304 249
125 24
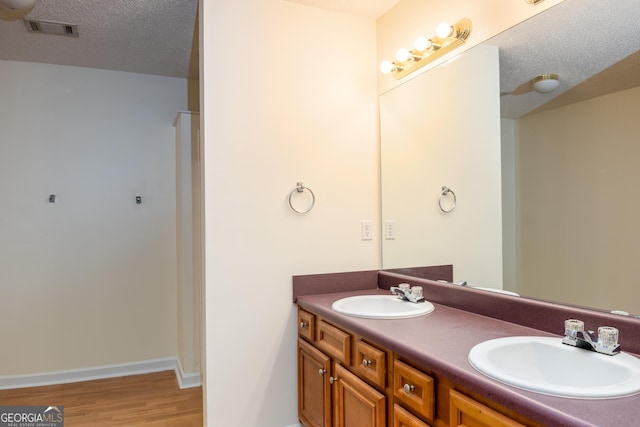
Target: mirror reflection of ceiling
139 36
583 41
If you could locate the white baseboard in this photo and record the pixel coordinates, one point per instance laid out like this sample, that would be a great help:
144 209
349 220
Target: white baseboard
187 380
296 425
101 372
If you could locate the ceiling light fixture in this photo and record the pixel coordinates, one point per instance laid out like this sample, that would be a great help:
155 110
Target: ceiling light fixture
447 38
10 10
545 83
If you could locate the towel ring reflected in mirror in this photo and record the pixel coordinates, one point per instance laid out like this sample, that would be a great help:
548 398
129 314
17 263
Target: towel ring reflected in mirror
300 188
447 193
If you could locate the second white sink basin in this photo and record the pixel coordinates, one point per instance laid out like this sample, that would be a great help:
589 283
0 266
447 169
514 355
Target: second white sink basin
381 307
545 365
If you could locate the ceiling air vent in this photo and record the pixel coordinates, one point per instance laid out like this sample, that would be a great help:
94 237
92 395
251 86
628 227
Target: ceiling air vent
49 27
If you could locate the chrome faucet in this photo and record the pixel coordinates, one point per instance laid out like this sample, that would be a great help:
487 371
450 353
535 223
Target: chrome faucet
405 292
576 336
460 283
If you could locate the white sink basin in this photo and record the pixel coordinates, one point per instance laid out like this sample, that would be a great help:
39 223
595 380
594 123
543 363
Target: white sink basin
381 307
545 365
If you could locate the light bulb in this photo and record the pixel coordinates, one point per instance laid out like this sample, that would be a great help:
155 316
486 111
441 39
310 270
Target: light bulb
386 67
403 55
444 30
422 43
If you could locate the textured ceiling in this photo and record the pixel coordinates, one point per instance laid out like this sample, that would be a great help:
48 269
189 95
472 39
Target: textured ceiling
141 36
576 39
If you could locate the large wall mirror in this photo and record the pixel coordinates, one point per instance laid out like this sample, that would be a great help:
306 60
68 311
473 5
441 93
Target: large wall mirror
566 194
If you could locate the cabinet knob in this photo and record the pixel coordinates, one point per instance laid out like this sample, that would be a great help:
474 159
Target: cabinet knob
322 371
333 380
408 388
304 324
366 363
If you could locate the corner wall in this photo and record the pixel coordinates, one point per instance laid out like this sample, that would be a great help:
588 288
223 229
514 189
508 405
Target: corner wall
289 95
91 279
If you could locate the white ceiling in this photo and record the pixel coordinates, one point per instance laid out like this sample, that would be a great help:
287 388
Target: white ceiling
140 36
369 8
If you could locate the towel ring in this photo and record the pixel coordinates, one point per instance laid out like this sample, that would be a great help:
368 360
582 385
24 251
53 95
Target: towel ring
446 190
299 189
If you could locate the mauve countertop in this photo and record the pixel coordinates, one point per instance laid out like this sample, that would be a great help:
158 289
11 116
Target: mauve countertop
440 342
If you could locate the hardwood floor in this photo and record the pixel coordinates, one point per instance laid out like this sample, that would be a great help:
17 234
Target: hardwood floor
138 400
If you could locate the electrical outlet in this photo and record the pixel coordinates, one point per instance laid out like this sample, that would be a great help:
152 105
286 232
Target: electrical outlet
367 230
390 229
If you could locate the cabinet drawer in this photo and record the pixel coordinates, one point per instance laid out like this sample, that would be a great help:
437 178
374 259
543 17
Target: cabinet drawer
371 363
306 325
414 389
404 418
334 342
465 411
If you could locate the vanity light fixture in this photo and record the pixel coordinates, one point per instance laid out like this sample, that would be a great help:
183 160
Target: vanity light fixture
534 2
425 50
545 83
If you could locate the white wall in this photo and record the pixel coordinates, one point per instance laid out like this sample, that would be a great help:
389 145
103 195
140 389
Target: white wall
510 249
189 240
443 129
91 279
289 94
577 217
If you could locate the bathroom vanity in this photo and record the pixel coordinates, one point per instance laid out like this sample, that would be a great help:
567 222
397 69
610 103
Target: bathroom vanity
414 372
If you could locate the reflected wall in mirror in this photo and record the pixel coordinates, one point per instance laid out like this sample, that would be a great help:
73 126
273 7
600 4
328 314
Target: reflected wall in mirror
568 197
442 129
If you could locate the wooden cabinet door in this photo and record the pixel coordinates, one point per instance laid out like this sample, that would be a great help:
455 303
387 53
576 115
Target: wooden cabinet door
404 418
356 403
467 412
314 389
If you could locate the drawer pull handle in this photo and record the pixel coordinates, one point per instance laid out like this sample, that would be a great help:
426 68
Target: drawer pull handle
366 363
304 325
408 388
333 380
322 371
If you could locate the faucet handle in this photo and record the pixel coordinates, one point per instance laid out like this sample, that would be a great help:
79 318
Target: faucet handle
573 326
416 292
607 338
